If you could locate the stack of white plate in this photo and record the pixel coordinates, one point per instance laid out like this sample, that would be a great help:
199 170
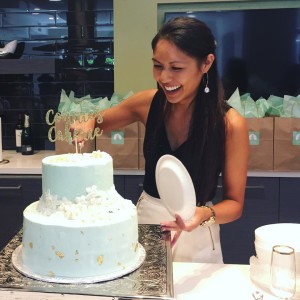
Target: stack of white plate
265 238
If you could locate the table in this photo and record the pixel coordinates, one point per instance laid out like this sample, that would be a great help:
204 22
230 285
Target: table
192 281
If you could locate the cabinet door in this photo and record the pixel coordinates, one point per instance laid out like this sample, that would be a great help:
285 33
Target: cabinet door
133 187
119 184
16 192
261 207
289 200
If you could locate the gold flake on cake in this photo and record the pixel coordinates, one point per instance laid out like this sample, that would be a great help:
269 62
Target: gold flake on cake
96 154
51 274
76 252
30 245
136 247
59 254
100 260
121 265
53 247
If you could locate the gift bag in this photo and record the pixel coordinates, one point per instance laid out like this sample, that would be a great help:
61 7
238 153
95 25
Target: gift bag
287 144
261 143
64 146
122 145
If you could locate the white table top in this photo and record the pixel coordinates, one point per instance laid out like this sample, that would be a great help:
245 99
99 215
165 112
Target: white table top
191 281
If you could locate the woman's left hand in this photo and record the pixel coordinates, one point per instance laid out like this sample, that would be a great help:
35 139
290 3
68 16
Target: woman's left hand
180 225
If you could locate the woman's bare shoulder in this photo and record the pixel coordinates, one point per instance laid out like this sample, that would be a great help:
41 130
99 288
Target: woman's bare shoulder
236 122
143 96
139 104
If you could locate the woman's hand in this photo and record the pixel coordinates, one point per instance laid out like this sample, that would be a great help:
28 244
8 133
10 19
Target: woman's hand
180 225
83 130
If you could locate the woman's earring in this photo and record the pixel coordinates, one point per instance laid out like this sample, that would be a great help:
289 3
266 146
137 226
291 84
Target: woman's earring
206 89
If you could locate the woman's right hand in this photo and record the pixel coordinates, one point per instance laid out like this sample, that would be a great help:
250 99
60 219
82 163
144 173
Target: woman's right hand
83 130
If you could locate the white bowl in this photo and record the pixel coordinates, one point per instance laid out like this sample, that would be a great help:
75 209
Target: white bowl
280 233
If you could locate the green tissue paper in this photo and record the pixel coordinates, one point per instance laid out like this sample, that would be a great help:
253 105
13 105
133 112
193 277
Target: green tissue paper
247 107
86 104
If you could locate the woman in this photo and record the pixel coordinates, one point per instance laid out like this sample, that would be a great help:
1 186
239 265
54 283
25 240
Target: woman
186 116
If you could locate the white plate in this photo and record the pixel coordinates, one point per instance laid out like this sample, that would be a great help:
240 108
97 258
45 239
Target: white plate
175 187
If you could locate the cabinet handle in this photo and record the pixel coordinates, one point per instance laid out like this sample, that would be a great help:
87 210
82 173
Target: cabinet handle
10 187
248 187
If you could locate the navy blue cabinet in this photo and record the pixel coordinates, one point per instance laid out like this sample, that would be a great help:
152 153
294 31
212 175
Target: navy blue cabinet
290 200
267 200
16 192
133 187
261 208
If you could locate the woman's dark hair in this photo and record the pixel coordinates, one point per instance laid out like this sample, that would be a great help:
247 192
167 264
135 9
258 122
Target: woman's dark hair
207 131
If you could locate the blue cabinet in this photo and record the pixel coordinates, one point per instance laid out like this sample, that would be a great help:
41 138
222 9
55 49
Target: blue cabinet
133 187
16 192
261 208
267 200
289 200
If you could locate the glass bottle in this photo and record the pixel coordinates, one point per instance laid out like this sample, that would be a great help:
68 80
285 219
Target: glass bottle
18 132
27 139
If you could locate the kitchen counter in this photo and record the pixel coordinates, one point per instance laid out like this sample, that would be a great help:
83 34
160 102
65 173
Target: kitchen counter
191 281
32 164
23 164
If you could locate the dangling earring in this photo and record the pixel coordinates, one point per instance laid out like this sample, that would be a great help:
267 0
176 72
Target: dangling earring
206 89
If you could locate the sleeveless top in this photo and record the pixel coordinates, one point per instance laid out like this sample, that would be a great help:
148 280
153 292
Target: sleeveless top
157 145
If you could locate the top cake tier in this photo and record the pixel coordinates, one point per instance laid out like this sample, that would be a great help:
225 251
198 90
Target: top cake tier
69 175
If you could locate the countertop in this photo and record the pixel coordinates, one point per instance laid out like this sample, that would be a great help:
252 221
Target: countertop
191 281
32 165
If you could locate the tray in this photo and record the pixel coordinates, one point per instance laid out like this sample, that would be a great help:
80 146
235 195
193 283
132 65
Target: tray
152 280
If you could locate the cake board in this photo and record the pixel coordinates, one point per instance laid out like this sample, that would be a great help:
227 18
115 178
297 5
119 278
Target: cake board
153 279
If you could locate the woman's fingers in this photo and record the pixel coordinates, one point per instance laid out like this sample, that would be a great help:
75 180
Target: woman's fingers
175 237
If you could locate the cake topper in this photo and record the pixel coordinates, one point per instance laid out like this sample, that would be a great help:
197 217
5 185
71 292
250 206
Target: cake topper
71 132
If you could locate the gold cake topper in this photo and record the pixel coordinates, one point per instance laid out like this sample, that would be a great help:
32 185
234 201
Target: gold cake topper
69 119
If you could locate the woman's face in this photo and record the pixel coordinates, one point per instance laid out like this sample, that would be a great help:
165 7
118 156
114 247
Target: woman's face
178 74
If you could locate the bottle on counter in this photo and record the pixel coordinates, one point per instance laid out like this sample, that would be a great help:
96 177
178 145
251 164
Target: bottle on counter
27 138
18 132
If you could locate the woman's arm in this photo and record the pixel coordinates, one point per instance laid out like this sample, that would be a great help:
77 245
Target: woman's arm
134 108
235 172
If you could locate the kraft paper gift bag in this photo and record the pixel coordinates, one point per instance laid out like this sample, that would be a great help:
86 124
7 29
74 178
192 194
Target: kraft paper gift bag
62 147
122 145
261 143
287 144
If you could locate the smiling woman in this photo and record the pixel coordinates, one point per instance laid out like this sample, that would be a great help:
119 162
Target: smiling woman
187 117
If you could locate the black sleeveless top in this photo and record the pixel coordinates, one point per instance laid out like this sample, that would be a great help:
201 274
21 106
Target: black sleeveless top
156 144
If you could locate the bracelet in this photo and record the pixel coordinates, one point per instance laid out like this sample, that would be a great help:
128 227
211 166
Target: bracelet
212 219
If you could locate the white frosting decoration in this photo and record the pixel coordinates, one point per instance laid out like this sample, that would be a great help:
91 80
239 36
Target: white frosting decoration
94 206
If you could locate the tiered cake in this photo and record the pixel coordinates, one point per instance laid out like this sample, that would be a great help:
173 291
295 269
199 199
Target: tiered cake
81 227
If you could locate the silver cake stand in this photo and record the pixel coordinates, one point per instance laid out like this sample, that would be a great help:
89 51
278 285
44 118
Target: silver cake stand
153 279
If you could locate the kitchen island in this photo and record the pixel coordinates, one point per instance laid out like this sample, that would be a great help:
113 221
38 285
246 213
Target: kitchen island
192 281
